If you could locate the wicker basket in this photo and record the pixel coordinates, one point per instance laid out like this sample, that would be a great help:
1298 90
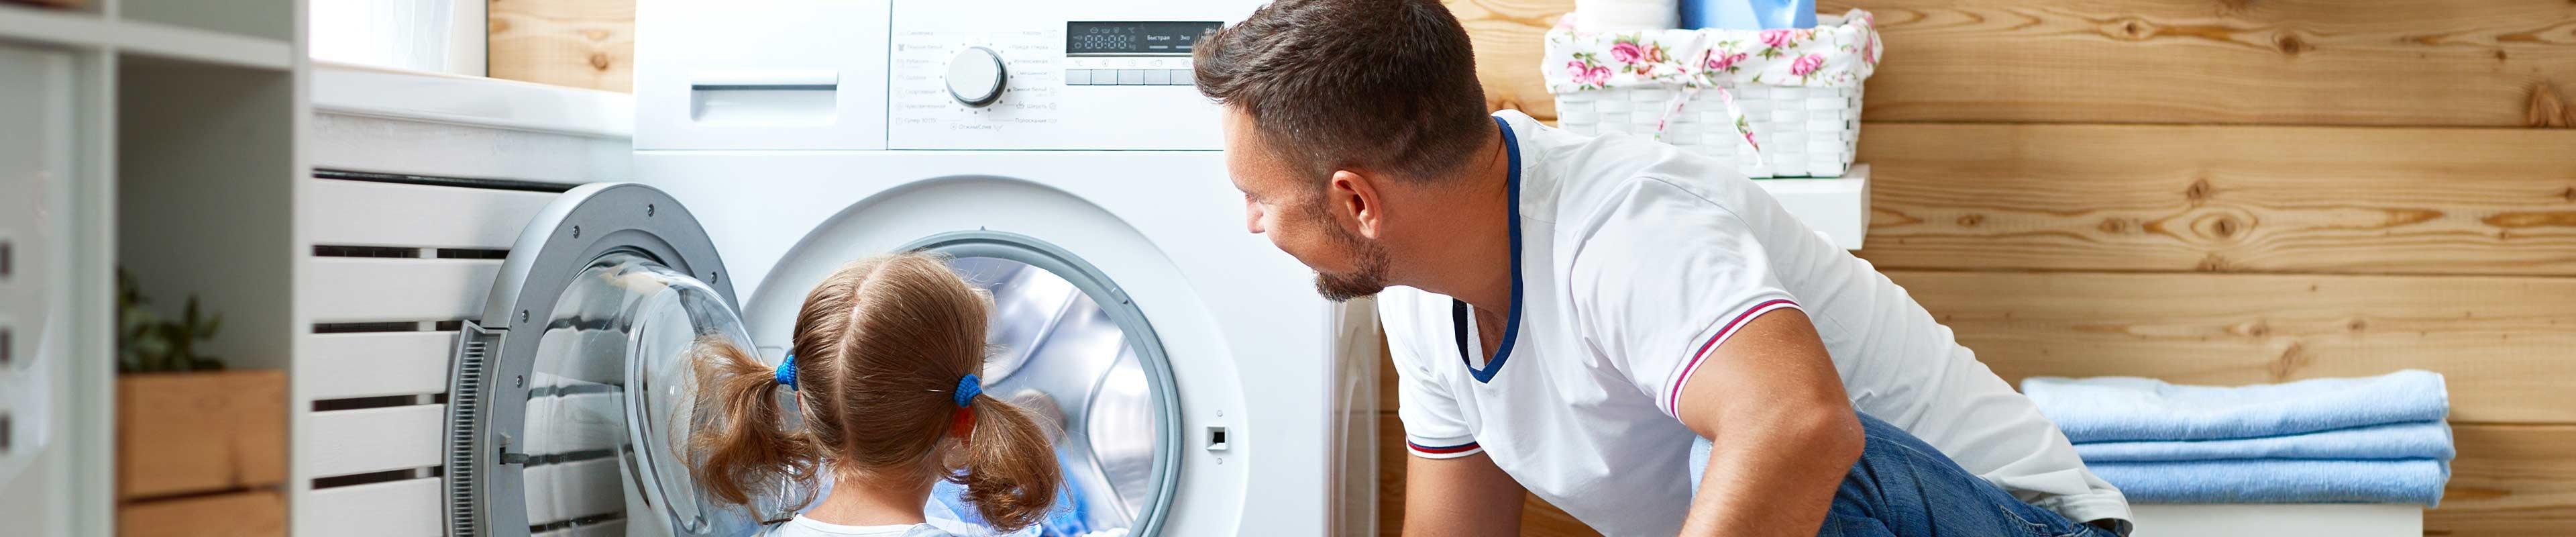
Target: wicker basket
1665 86
1805 131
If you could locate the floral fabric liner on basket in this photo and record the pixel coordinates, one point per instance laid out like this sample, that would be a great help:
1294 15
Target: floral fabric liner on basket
1836 55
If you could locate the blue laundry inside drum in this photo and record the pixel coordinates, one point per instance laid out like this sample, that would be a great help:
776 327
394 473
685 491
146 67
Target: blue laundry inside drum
1058 353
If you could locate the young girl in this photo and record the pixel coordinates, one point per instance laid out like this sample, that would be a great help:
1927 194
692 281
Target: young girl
883 374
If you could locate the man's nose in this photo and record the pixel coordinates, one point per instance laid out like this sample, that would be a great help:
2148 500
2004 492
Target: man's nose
1251 217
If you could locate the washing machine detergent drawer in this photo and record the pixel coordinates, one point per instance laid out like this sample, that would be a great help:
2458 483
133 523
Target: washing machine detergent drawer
774 74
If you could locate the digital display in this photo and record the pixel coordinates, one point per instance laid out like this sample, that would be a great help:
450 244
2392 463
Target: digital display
1158 38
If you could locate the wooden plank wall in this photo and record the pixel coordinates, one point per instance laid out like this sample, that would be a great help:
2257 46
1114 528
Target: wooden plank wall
578 43
2220 191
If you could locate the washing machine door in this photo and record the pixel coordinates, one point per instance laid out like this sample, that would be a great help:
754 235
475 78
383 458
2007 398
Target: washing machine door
572 397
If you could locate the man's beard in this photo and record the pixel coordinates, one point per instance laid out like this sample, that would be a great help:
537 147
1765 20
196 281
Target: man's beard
1367 280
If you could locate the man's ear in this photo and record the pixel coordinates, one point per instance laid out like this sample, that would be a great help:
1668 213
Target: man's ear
1355 197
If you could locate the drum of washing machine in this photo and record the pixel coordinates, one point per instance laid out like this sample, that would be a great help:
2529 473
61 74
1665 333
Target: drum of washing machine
611 403
1058 351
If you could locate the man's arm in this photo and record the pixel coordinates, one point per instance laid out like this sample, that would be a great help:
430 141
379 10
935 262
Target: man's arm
1783 432
1466 496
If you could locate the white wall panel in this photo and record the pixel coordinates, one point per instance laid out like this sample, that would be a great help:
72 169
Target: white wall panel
361 289
409 508
360 213
344 442
339 366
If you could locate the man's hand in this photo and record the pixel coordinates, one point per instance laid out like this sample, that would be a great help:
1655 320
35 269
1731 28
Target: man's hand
1784 433
1465 496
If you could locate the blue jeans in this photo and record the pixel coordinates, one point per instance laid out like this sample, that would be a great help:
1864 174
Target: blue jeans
1902 487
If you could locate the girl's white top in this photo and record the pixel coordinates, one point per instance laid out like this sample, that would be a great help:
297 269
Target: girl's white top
807 527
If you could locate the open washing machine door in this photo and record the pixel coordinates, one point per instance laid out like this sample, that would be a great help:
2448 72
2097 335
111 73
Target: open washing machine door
573 397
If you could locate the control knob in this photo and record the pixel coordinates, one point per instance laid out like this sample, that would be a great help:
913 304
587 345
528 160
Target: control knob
975 76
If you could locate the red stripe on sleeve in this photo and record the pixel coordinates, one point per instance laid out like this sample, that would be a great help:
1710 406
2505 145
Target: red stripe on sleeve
1673 401
1442 450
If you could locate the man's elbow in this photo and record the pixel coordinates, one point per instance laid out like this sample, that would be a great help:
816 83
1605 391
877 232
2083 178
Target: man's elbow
1836 436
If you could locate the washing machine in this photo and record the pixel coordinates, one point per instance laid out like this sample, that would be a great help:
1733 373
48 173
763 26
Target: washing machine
1055 151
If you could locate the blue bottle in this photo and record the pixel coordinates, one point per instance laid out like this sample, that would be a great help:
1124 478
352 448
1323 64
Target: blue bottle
1748 14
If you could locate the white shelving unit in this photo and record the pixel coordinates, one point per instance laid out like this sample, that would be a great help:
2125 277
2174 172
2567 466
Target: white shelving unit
92 29
166 140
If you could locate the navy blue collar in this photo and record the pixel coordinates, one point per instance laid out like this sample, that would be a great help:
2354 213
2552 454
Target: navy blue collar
1459 310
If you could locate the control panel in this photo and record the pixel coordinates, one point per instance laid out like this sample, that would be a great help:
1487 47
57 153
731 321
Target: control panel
1152 53
1050 75
837 75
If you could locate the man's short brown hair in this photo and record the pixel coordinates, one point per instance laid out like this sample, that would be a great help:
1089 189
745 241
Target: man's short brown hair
1380 85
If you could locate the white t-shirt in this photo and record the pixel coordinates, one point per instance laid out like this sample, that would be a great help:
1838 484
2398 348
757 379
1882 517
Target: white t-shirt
807 527
1632 261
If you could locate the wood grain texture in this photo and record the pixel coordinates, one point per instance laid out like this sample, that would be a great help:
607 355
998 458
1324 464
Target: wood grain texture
2340 62
2509 480
257 513
578 43
1387 383
1538 518
183 433
1507 36
2504 343
2222 198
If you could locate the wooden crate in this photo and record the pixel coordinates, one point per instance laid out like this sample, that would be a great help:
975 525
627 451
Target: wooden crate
251 513
195 433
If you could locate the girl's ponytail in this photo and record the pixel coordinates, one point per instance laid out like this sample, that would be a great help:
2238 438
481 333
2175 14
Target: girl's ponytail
885 348
743 448
1010 468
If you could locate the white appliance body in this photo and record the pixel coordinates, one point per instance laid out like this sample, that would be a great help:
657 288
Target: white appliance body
1250 344
830 75
806 134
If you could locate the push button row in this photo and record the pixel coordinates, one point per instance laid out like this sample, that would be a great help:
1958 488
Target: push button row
1129 77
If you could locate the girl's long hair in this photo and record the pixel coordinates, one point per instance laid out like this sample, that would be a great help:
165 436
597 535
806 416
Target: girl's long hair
880 346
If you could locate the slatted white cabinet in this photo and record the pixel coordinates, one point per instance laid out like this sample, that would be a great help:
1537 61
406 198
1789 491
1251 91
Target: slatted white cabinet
406 220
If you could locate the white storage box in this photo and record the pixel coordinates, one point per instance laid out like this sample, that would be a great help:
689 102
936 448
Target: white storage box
1779 103
2284 520
1836 207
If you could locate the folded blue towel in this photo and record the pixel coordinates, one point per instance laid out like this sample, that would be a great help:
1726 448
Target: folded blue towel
2419 440
2278 481
2110 409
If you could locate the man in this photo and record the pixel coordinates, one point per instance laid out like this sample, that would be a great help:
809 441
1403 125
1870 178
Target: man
1575 312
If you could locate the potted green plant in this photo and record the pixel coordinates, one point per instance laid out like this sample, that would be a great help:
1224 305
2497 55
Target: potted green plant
147 344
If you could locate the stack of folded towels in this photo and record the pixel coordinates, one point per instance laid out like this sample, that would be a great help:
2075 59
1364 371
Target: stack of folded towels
2357 440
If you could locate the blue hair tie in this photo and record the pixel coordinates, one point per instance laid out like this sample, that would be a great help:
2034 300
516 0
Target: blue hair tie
967 389
787 372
